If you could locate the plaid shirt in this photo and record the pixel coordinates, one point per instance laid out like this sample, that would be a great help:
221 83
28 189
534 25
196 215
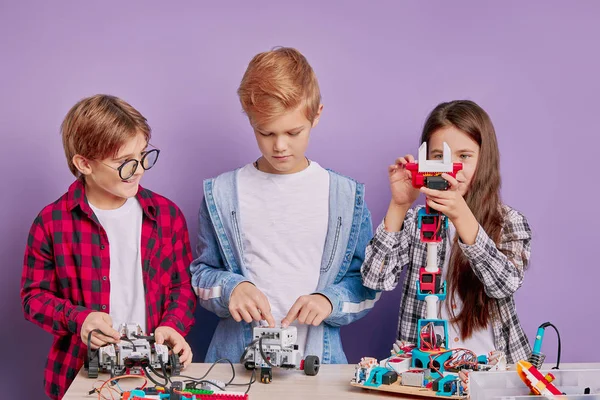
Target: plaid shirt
500 268
67 268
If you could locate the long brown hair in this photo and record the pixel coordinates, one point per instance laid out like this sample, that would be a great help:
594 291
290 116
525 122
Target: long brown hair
482 197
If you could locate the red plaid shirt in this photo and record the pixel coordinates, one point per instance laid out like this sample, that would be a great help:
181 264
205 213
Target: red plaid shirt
66 275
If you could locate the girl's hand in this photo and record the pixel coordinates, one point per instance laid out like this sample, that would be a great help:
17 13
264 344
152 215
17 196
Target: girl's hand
403 192
450 202
463 374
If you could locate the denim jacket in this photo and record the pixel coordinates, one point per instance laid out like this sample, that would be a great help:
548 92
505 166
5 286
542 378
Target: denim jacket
220 267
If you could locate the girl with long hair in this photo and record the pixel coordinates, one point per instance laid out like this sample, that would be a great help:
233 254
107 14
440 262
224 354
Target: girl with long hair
483 253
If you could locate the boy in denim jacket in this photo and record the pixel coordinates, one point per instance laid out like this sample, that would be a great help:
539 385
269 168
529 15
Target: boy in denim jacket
282 239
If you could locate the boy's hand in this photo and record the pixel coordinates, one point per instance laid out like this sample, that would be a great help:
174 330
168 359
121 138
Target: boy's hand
403 192
103 322
310 310
250 304
178 344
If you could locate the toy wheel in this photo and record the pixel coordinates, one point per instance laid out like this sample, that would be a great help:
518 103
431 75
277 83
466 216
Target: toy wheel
249 365
175 364
266 375
93 368
311 365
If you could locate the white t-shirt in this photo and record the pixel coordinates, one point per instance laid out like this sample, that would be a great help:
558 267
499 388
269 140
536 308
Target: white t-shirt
124 229
283 224
481 341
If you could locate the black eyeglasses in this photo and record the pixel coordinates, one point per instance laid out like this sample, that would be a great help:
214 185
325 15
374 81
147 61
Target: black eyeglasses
128 168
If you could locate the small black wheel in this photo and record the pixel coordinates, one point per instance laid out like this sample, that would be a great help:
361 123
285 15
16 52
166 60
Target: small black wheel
311 365
175 364
249 365
266 375
93 367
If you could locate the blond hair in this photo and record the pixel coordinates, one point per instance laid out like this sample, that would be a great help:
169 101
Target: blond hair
276 82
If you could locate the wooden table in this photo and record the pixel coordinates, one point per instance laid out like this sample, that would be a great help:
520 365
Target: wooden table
332 382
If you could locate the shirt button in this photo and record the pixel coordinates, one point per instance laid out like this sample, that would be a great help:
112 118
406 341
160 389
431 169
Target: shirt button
102 246
104 306
104 278
455 339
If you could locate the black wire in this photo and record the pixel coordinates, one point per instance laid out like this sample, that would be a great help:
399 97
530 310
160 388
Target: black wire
252 380
210 369
148 338
198 381
164 375
149 376
164 369
545 325
89 344
262 353
242 358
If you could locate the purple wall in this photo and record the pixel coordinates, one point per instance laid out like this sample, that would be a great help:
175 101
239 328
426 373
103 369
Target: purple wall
382 67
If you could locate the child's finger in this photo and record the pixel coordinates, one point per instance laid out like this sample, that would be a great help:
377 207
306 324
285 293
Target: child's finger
303 315
292 314
236 316
105 325
493 357
159 337
255 313
186 356
460 177
105 338
267 316
318 320
451 181
95 342
401 161
435 194
177 346
405 160
464 376
436 206
265 309
246 316
310 318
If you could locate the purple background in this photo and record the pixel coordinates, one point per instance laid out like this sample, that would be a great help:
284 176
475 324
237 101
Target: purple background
382 67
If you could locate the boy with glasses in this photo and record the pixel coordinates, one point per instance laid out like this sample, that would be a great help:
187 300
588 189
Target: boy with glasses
108 251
